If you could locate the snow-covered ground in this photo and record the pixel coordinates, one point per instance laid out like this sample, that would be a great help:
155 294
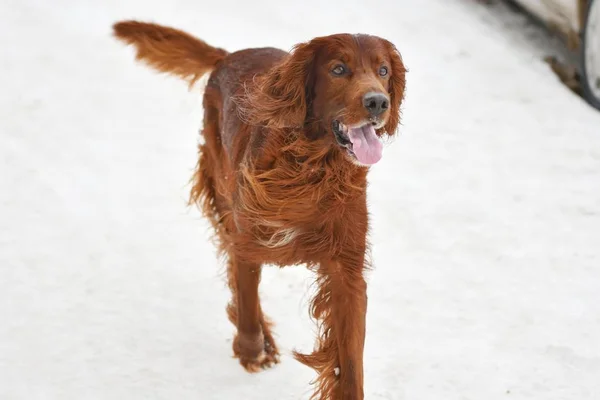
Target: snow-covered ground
486 212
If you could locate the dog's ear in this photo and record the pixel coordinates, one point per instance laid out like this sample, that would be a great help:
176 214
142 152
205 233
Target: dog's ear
397 85
280 98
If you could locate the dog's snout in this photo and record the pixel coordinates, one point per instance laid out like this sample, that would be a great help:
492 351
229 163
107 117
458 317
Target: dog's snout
376 103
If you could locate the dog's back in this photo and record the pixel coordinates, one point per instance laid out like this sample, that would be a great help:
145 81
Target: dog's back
227 84
178 53
226 136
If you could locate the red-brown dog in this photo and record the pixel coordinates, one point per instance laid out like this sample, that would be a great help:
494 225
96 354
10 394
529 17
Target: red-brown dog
282 176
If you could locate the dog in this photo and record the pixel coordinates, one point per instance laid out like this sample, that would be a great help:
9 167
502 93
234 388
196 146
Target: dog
282 174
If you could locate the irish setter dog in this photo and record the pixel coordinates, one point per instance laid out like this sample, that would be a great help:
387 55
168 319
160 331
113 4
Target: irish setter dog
282 177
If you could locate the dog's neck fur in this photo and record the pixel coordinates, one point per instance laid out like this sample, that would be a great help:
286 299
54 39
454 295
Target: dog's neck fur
304 183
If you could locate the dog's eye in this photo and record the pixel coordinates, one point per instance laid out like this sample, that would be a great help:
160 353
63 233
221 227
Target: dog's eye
339 70
383 71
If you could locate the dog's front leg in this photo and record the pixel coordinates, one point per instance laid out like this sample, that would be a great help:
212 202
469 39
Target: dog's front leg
340 306
348 309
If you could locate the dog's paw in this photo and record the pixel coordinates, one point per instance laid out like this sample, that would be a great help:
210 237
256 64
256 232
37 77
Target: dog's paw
259 363
255 354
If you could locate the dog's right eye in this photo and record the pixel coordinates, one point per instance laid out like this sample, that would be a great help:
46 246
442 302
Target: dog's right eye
339 70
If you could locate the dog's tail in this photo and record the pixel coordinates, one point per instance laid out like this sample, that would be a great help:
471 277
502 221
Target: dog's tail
169 50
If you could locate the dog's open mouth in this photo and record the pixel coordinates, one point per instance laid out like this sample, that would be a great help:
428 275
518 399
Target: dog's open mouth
361 141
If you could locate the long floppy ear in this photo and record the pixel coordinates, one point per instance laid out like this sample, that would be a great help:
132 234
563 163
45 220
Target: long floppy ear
397 85
280 98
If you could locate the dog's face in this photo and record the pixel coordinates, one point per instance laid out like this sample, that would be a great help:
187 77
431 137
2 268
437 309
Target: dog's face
357 88
349 87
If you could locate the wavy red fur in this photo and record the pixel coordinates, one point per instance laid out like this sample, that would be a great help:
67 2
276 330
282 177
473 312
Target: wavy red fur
277 185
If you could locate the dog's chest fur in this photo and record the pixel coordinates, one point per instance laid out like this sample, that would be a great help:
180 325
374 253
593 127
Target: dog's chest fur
296 213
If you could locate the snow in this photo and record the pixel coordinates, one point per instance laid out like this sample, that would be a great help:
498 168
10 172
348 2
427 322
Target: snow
485 212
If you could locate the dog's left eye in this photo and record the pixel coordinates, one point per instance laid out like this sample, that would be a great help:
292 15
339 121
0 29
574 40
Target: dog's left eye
339 70
383 71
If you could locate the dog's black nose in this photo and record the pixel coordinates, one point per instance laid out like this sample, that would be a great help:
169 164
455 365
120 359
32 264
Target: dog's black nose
376 103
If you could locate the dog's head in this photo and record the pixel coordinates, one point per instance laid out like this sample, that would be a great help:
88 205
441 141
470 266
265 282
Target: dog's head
346 87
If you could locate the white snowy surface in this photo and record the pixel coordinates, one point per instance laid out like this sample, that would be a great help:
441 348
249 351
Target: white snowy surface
485 212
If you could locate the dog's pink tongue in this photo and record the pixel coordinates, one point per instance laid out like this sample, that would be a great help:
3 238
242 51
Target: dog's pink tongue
365 144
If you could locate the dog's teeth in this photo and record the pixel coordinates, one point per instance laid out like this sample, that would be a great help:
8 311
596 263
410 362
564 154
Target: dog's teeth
336 371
